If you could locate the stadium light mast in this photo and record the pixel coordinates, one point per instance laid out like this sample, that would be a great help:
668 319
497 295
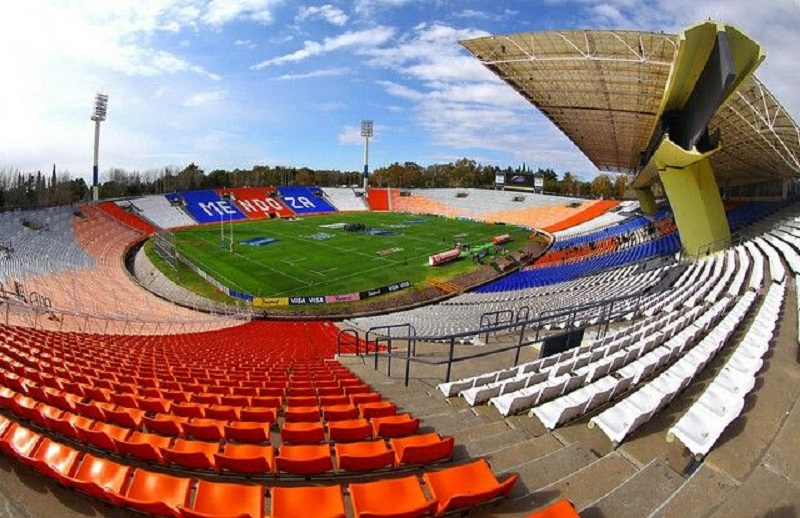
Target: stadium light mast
98 116
366 132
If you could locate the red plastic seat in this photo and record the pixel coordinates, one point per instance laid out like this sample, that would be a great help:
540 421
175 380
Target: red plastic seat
103 435
205 429
365 397
422 449
154 405
45 414
304 459
302 433
360 389
188 410
377 409
266 401
54 459
258 414
191 454
301 391
294 401
349 431
394 426
145 446
99 477
222 413
19 441
237 401
304 502
329 391
127 417
339 412
206 398
154 493
301 414
466 486
332 400
561 509
399 497
164 425
241 431
271 392
221 500
363 456
246 458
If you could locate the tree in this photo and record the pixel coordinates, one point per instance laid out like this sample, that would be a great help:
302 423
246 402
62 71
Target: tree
602 187
569 185
621 183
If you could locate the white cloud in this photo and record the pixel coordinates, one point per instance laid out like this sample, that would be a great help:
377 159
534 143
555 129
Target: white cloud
484 15
202 98
350 135
220 12
368 7
245 43
357 40
327 72
326 12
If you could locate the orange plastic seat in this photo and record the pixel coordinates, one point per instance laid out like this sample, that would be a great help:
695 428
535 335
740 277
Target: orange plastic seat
422 449
246 458
99 477
237 401
221 500
364 397
377 409
399 497
302 433
334 400
333 390
339 412
561 509
154 405
206 398
54 459
164 425
93 410
127 417
258 414
20 442
266 401
222 413
301 391
301 414
46 414
363 456
394 426
304 459
191 454
241 431
349 431
103 435
466 486
293 401
205 429
360 389
188 410
303 502
145 446
154 493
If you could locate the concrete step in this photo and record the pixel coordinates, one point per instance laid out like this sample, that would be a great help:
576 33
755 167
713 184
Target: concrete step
764 493
639 495
521 453
546 470
698 495
493 443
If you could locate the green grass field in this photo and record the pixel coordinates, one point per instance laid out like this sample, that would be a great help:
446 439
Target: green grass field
309 258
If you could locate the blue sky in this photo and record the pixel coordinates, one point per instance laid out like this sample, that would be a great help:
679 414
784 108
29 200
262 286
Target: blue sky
233 83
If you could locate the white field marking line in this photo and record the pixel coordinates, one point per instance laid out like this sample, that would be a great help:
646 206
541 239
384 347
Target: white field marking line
321 243
283 274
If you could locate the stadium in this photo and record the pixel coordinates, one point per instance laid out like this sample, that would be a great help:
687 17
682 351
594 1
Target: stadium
304 351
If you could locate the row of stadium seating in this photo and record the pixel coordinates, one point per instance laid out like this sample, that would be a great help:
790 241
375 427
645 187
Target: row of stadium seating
59 388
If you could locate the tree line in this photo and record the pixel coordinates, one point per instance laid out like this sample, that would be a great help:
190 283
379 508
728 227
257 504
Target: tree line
24 190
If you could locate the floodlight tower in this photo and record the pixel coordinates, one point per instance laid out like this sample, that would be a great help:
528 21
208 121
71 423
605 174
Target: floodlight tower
98 116
366 132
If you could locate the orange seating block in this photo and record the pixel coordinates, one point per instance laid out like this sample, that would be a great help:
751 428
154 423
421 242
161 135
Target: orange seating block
221 500
222 413
377 409
19 441
164 425
422 449
465 486
191 454
103 435
363 456
294 401
258 414
365 397
99 477
154 493
54 459
246 458
561 509
331 400
302 433
204 429
304 459
301 414
349 431
302 502
399 497
248 432
339 412
394 426
145 446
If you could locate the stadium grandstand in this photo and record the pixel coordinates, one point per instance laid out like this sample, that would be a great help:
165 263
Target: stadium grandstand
642 362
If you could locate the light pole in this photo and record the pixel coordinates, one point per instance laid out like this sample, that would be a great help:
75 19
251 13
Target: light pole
366 132
98 116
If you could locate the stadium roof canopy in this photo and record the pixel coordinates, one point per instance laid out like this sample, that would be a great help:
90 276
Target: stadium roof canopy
604 90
